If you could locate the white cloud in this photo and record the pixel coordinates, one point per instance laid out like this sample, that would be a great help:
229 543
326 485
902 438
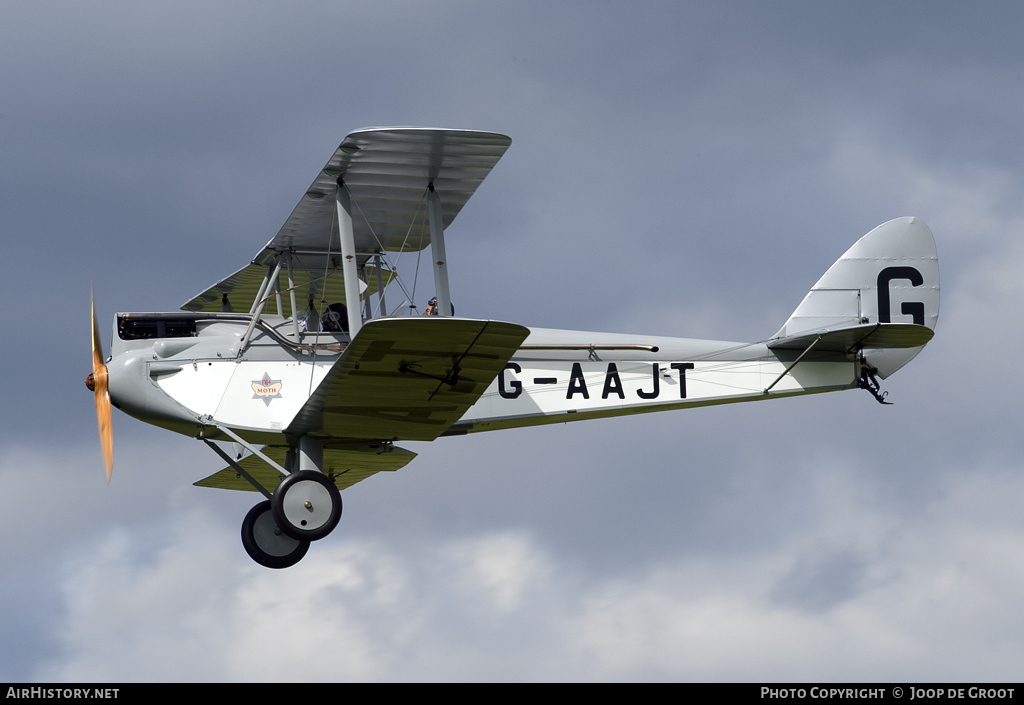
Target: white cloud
934 601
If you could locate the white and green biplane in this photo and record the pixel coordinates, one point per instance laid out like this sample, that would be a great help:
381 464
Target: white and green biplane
297 374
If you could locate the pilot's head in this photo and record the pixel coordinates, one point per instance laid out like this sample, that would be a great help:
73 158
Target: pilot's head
335 319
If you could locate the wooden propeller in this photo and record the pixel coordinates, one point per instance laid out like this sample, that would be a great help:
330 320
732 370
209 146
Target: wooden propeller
97 383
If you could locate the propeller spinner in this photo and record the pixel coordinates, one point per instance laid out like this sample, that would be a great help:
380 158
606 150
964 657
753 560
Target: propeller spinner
97 383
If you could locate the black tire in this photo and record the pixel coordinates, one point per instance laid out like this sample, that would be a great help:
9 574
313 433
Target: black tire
265 543
306 505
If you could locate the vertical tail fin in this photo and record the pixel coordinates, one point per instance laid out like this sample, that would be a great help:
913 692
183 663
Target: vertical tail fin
889 276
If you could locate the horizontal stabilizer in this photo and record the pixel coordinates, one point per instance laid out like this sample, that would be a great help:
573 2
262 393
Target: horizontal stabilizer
848 339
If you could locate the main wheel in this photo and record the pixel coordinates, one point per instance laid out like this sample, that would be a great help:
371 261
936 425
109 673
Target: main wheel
306 505
266 543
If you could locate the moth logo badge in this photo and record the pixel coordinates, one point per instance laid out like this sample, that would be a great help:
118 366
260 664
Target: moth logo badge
266 389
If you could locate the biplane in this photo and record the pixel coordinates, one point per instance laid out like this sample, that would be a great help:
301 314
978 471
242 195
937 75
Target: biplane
298 375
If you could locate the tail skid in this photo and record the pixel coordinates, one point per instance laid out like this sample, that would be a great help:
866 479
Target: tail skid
869 382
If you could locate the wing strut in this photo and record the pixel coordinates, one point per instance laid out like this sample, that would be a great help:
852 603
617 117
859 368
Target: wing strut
291 296
349 267
444 299
259 303
380 284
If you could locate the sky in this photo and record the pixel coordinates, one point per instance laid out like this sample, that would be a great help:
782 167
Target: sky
677 168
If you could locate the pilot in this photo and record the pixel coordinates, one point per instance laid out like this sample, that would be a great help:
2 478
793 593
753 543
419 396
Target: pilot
431 309
335 319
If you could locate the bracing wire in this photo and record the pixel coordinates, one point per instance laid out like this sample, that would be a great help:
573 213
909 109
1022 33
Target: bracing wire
393 265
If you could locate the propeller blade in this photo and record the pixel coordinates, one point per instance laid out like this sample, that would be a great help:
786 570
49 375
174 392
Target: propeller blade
97 382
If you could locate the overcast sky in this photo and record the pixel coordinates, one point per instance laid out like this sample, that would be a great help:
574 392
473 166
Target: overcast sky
677 168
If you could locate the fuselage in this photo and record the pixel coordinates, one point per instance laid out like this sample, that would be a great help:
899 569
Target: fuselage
183 371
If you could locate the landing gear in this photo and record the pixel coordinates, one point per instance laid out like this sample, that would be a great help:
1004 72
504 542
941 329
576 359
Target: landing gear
306 505
266 543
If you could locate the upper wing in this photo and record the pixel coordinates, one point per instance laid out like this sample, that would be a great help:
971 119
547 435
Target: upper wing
386 172
408 378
